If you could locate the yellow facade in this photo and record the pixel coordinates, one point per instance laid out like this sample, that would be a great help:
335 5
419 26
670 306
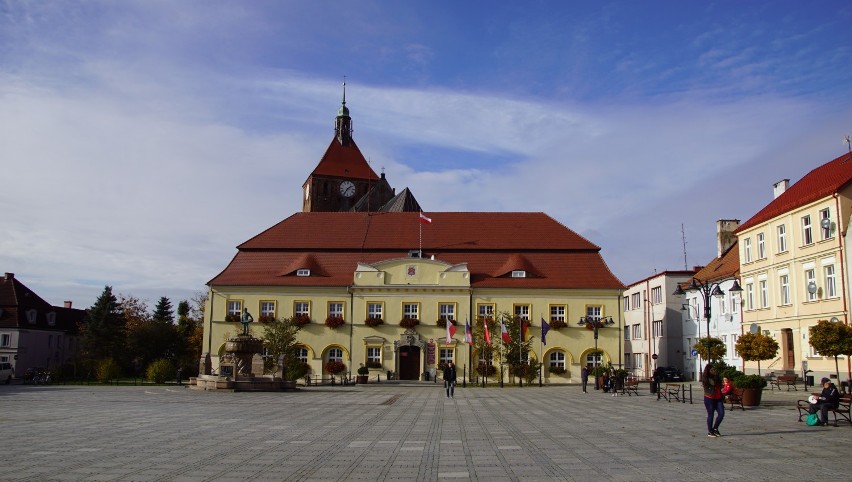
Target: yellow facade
425 289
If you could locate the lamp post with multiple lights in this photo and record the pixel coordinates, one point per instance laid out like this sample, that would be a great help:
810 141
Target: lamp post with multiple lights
596 323
685 307
707 290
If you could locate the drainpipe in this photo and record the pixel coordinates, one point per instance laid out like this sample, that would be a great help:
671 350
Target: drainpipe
351 325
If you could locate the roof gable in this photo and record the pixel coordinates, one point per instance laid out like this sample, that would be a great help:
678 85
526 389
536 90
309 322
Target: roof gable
344 161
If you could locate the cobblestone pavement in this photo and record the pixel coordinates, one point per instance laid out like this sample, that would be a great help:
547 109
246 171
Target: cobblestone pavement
396 432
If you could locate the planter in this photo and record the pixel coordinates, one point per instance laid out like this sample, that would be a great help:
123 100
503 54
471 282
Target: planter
751 396
362 379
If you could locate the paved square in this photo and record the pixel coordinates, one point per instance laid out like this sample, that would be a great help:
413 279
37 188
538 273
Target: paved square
390 432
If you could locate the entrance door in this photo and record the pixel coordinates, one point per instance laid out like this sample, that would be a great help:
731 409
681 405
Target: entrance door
409 363
790 358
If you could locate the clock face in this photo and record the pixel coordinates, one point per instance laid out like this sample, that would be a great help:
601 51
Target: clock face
347 188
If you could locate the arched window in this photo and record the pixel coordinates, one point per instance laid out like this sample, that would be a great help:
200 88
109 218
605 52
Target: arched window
557 359
335 354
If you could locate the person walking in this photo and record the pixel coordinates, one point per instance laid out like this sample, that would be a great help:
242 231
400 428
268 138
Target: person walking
584 377
713 400
829 398
450 379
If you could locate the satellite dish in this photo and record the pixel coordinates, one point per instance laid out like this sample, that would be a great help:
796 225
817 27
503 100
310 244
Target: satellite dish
754 328
825 223
812 288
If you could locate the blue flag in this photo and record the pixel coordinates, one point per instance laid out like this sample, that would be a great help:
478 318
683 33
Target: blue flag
545 327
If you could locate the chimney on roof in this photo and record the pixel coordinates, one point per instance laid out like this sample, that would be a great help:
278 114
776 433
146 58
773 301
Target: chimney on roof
779 187
68 303
8 276
725 235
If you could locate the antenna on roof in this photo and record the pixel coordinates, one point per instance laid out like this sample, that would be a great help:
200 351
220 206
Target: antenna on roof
683 239
848 140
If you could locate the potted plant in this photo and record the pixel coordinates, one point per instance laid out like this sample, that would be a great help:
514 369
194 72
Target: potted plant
334 321
233 317
363 375
442 323
301 320
556 370
409 322
374 322
558 324
334 367
752 387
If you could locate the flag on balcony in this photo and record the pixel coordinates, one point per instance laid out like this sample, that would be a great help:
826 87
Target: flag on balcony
545 327
451 330
504 332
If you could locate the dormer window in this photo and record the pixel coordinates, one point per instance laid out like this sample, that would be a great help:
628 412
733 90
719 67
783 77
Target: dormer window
303 272
51 318
31 316
519 273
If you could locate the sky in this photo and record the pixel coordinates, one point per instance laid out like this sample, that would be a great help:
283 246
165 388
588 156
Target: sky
142 141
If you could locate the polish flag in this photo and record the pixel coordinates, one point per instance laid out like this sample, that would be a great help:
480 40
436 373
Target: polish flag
424 219
486 333
451 330
504 332
468 334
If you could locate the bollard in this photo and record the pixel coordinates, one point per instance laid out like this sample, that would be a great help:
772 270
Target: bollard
179 376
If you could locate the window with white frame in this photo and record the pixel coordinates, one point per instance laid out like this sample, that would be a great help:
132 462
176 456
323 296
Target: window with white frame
637 331
626 335
557 359
522 312
558 313
302 354
51 318
782 239
445 355
830 281
764 293
335 354
626 303
374 355
5 339
636 301
747 250
594 359
302 308
761 246
749 296
725 343
734 339
638 361
267 309
411 311
810 277
807 235
658 328
486 310
335 309
447 311
734 300
235 307
627 359
657 295
784 282
825 226
594 312
375 310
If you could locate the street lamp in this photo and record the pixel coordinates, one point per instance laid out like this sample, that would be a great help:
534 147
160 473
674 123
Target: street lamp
596 323
683 307
707 289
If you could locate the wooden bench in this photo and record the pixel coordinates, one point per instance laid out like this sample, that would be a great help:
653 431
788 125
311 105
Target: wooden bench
789 380
631 386
773 382
318 380
843 408
735 397
670 391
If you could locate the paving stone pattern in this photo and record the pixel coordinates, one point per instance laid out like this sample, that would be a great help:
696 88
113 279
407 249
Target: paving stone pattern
403 432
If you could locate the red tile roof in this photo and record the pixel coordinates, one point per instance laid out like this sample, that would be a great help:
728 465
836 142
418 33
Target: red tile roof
492 244
725 267
344 161
822 182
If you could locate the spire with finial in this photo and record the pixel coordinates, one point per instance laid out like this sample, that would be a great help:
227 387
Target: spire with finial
343 123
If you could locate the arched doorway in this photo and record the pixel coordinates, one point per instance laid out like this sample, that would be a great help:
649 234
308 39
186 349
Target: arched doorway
409 362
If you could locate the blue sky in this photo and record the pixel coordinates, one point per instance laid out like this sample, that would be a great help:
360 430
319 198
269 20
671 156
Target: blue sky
141 141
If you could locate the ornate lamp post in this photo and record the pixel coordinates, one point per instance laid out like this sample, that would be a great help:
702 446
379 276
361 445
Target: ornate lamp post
685 307
596 323
707 290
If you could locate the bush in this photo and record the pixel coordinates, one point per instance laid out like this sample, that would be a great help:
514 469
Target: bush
362 370
159 371
556 370
297 370
749 381
107 370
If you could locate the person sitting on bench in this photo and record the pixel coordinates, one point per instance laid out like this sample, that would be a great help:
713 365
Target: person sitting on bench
829 398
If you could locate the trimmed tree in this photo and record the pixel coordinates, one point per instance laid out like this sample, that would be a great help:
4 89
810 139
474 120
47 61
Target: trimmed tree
710 348
756 347
279 339
831 339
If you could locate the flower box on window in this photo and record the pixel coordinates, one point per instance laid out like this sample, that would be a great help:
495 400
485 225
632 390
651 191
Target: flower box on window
556 370
374 364
333 321
374 322
266 318
558 324
409 322
301 320
233 317
334 367
442 323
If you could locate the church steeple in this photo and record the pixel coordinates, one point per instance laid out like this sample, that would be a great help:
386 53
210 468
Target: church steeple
343 123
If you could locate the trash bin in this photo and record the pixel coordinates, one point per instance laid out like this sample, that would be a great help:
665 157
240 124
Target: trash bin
653 386
810 380
426 376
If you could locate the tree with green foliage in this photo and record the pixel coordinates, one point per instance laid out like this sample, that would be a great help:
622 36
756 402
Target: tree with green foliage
516 351
190 328
756 347
483 353
163 313
280 341
103 329
831 339
710 348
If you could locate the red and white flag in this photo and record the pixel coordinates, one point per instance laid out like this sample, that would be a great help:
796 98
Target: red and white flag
487 335
451 330
468 334
504 332
424 219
